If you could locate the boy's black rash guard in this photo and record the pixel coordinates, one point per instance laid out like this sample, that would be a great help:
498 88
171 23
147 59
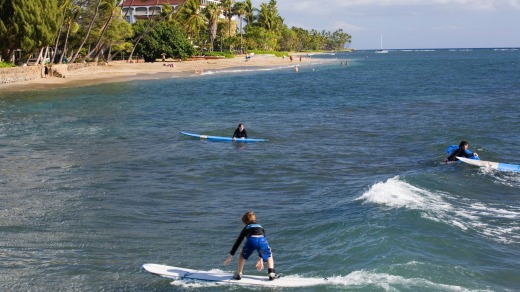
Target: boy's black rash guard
459 152
239 134
251 229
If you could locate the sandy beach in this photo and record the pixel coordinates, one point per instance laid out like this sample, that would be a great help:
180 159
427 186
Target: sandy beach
121 71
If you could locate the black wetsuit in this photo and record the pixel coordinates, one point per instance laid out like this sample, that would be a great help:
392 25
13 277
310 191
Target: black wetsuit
251 229
459 152
240 134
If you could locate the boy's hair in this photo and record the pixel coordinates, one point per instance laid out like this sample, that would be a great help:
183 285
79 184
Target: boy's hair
463 143
249 218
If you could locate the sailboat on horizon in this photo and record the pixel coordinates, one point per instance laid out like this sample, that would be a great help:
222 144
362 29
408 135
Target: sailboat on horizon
381 51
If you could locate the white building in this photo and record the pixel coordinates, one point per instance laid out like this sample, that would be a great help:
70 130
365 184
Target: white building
143 9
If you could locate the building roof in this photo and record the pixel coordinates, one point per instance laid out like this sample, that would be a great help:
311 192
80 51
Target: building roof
138 3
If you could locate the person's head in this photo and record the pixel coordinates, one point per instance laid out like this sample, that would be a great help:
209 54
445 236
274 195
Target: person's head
241 126
249 218
463 144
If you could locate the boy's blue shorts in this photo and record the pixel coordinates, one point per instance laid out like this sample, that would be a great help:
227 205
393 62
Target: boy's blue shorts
259 244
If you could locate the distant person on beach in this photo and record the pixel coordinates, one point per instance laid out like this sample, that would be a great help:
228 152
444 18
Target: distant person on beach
255 241
240 132
462 151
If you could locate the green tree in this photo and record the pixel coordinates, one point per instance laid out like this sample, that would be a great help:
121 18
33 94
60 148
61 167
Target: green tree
288 40
7 37
212 13
72 13
270 20
116 36
227 5
249 12
191 18
240 9
28 25
165 37
109 8
89 29
168 14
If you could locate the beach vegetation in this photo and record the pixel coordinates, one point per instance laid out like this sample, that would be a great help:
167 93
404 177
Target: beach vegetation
275 53
225 54
191 18
227 6
116 38
6 65
165 38
212 14
29 25
62 31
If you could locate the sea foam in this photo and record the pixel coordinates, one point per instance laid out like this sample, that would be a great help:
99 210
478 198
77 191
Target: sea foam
496 223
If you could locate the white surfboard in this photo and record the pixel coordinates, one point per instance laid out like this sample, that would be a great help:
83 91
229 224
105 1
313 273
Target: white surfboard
491 164
220 277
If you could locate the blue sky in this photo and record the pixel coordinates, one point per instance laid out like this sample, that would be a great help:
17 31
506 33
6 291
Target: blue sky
410 24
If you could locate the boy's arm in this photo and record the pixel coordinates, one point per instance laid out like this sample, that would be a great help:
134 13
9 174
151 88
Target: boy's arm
235 247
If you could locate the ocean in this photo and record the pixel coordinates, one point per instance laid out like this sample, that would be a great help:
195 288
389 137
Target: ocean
97 181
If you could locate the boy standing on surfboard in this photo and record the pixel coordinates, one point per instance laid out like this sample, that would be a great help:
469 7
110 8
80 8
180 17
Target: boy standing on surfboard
256 240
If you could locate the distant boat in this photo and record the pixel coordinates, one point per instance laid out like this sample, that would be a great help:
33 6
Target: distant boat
381 51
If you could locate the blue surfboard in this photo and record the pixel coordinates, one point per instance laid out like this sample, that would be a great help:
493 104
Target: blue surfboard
223 139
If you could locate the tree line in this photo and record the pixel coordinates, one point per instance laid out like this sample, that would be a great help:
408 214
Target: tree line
59 31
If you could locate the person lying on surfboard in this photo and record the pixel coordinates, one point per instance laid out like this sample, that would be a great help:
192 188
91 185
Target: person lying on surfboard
240 132
462 151
255 241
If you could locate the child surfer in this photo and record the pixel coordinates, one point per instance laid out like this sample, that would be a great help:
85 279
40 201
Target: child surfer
255 241
462 151
240 132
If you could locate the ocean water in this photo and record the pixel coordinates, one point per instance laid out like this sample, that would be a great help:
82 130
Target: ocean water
97 181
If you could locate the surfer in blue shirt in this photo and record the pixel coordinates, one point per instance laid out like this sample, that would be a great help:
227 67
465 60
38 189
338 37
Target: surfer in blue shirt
462 151
240 132
255 241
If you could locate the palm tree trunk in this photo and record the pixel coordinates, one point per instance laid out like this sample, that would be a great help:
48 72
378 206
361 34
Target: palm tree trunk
66 42
88 32
241 47
58 38
103 30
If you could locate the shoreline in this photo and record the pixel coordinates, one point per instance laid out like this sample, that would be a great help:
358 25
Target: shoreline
114 72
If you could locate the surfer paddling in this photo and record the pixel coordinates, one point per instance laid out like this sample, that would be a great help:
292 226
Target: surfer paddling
462 151
255 241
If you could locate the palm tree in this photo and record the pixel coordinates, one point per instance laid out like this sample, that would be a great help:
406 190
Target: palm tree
268 16
72 16
88 31
249 12
63 10
227 4
240 9
109 6
212 12
191 18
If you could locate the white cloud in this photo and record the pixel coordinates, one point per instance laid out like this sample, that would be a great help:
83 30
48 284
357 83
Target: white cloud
347 27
